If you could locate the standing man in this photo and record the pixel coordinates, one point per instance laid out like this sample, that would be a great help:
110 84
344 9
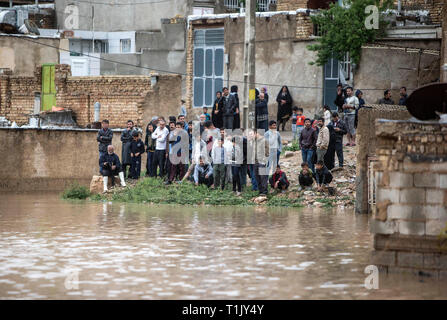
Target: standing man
126 139
160 135
105 136
349 108
273 138
308 141
340 131
322 140
228 111
260 166
234 100
403 96
386 98
136 150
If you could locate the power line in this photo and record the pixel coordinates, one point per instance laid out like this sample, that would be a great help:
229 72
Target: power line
121 4
183 74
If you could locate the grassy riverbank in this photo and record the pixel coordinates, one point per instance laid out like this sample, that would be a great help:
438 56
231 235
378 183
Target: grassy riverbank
154 191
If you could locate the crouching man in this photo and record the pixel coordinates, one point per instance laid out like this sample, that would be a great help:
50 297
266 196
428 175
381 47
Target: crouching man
323 177
203 173
110 165
278 180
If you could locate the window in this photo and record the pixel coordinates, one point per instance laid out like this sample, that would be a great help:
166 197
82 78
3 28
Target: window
125 45
208 65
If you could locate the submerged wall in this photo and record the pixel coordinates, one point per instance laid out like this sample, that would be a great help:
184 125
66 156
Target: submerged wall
410 219
49 160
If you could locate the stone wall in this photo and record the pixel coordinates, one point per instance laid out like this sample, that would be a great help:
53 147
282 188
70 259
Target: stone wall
49 160
304 26
121 97
434 7
410 218
444 47
366 146
287 5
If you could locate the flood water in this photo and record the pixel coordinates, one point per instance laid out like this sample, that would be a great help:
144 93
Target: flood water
131 251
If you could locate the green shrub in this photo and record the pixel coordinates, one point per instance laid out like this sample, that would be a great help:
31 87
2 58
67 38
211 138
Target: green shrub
294 147
76 191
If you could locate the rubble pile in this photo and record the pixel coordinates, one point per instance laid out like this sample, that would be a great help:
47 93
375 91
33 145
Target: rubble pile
344 181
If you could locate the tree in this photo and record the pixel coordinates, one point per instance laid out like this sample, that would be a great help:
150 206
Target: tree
343 29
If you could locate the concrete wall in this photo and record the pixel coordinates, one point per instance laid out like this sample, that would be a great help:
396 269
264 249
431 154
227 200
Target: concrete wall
366 146
410 219
21 55
49 160
137 15
391 67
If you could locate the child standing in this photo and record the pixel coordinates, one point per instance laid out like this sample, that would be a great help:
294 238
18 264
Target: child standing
136 149
294 119
299 122
207 115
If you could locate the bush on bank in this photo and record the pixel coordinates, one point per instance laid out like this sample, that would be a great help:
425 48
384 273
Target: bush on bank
76 191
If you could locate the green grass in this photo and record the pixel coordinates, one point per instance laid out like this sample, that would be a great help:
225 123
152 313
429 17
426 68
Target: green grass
76 191
153 190
294 147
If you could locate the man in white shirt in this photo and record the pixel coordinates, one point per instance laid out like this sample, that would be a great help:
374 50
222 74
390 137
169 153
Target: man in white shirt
351 104
160 135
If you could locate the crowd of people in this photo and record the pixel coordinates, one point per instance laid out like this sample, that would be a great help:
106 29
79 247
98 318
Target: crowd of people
215 151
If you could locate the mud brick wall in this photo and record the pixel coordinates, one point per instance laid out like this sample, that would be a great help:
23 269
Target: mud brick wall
410 218
366 146
287 5
121 97
304 26
17 96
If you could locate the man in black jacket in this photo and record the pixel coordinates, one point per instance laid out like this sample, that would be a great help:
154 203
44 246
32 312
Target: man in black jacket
228 107
136 149
322 175
104 137
109 166
340 131
308 142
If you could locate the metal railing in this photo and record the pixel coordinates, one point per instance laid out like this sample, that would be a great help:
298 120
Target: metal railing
263 5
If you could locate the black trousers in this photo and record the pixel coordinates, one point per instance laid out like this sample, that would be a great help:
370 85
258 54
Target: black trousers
159 162
111 174
339 151
261 179
228 122
208 181
135 167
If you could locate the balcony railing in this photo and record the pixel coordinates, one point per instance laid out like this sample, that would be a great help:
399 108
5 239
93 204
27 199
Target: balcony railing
263 5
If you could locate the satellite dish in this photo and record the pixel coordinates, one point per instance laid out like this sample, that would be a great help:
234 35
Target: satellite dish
31 27
426 101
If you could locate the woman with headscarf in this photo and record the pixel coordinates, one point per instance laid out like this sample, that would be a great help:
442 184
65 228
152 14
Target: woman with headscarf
266 95
329 157
285 101
216 113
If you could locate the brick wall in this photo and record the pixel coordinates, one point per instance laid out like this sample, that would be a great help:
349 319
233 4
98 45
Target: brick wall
433 6
287 5
304 26
410 218
121 97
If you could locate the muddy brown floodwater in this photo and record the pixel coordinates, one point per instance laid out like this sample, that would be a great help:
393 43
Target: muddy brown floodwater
131 251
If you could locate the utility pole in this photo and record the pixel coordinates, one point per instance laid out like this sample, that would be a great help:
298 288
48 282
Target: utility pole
249 120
